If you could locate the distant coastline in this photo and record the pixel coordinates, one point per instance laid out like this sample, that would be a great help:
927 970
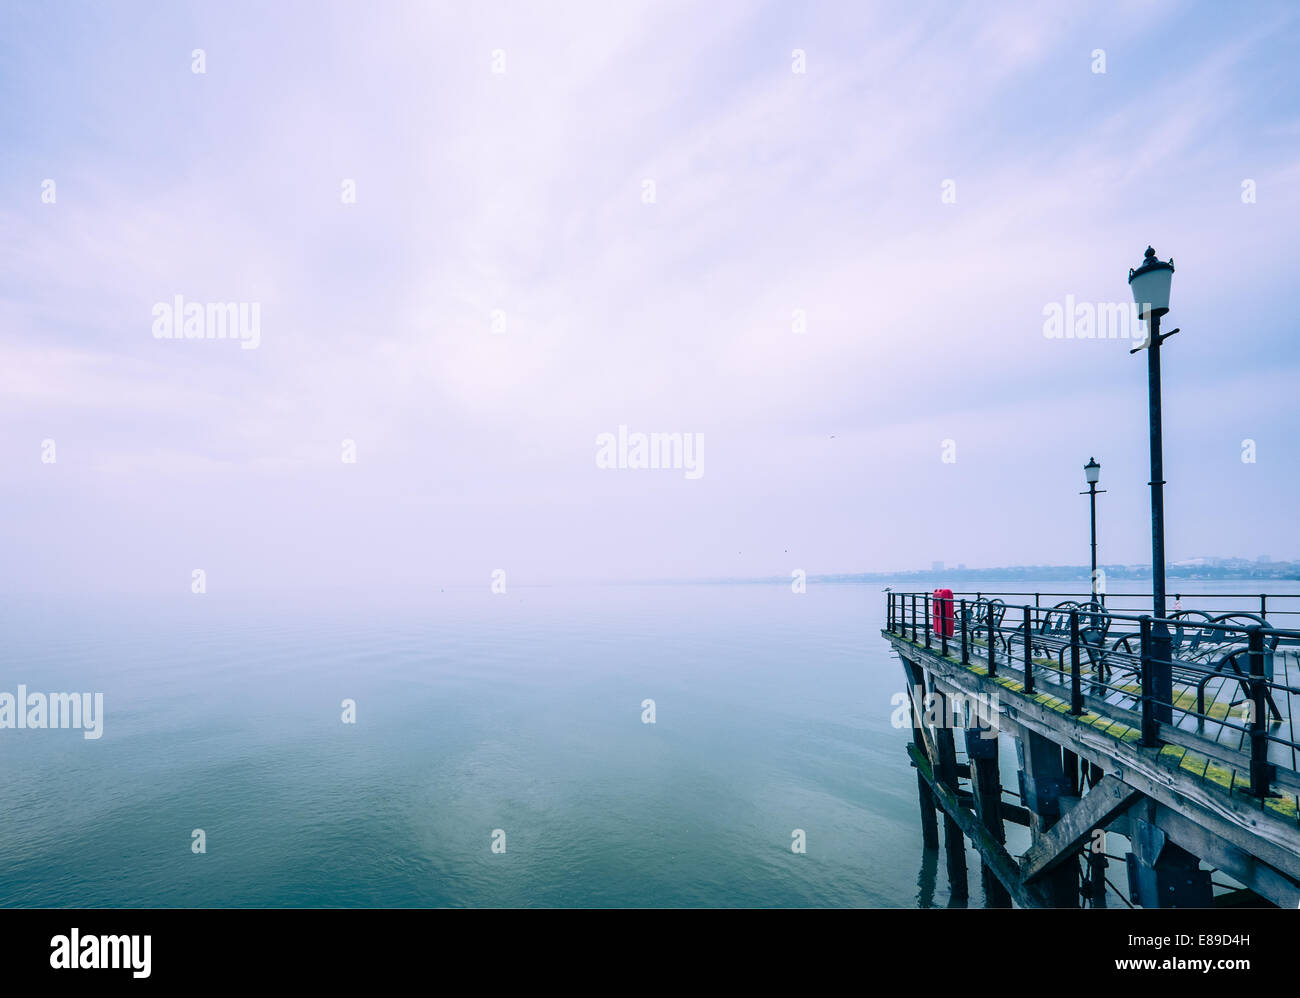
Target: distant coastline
1196 569
1199 569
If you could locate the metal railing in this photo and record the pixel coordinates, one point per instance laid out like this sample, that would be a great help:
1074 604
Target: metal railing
1219 682
1279 608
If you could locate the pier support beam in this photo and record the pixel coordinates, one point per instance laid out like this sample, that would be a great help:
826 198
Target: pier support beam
1060 844
986 784
1162 874
929 821
1097 875
1070 765
1042 785
915 678
1096 888
953 840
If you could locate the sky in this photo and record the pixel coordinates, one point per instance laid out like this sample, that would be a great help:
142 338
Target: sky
820 240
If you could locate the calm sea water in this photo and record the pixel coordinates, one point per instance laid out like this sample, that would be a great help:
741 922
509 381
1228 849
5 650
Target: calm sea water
475 712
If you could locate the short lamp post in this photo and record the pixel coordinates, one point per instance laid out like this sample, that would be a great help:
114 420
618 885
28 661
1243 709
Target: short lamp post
1150 284
1092 470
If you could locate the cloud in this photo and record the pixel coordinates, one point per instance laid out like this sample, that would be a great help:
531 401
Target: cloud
518 196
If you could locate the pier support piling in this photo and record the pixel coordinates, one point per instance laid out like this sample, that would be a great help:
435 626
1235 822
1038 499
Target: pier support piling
954 842
1043 784
915 679
986 784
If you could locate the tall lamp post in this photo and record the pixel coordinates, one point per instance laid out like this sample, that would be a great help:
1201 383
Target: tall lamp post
1092 470
1150 284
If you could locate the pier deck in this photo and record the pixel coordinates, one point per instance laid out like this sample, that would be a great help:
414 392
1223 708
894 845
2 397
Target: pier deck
1201 768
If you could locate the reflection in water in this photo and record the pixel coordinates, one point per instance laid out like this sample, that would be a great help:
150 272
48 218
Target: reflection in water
927 882
959 891
958 878
926 879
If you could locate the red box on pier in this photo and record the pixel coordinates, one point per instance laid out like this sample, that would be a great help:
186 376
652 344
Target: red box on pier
942 612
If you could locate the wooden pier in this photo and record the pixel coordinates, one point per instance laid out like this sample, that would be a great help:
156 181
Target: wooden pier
1195 776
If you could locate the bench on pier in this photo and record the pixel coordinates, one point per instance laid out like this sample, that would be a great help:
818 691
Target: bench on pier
1200 651
977 614
1053 634
1050 638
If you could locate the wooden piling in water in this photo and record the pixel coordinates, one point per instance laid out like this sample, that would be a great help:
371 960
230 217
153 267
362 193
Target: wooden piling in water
986 788
953 841
929 824
1044 788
